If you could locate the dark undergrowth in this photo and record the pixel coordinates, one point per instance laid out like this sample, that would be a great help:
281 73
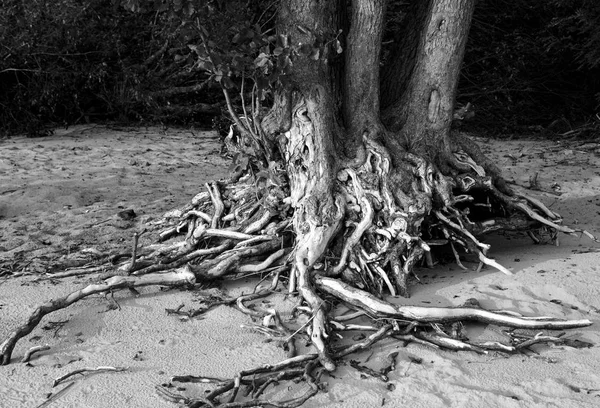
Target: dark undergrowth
530 67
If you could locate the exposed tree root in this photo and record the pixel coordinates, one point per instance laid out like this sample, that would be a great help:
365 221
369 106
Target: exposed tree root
380 308
87 370
356 238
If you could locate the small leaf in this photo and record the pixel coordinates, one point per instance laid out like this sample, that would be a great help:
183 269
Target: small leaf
190 9
205 65
261 60
315 54
283 62
338 47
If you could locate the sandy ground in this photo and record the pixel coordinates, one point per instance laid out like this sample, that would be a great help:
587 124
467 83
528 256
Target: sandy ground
60 197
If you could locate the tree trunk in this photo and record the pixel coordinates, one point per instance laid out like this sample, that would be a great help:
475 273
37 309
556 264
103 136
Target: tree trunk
402 186
372 175
422 76
361 87
309 154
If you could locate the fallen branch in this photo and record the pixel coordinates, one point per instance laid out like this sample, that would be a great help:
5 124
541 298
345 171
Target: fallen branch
53 397
381 308
180 277
87 370
182 260
32 351
77 272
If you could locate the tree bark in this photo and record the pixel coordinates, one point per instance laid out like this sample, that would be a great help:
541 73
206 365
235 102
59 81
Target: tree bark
422 76
309 153
361 90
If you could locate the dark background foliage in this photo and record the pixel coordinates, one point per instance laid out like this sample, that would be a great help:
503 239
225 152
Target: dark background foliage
530 65
64 60
533 65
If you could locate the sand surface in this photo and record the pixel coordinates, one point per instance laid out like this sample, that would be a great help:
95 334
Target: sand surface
59 202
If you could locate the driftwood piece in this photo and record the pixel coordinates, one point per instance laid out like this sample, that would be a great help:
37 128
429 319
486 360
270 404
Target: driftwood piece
381 308
175 278
86 370
32 351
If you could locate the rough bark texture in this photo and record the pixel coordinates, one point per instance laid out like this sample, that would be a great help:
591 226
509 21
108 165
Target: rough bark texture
310 156
361 92
419 103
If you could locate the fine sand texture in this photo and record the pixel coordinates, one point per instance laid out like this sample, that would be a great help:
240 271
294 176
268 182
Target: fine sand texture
64 200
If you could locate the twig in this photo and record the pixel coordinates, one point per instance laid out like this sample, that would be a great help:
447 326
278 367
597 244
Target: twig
254 240
170 396
382 333
539 338
259 223
349 316
363 225
368 371
32 351
197 380
215 196
245 298
551 224
198 214
457 257
134 250
264 264
221 233
56 395
76 272
448 342
490 262
183 260
87 370
291 336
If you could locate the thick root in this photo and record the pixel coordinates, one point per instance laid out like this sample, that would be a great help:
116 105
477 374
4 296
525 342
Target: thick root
377 307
